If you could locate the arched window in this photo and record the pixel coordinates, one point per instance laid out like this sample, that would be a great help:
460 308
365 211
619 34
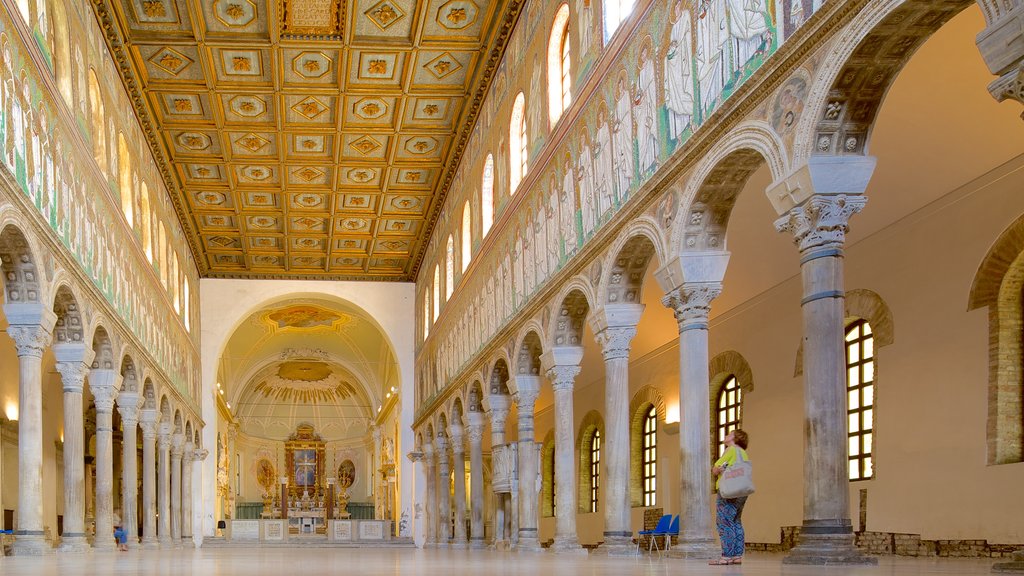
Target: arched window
615 13
860 394
467 236
730 411
449 268
487 197
124 181
517 144
99 142
426 313
175 282
146 215
161 257
650 457
595 469
188 307
62 54
437 291
559 73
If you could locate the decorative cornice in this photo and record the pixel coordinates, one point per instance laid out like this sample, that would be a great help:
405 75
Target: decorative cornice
822 221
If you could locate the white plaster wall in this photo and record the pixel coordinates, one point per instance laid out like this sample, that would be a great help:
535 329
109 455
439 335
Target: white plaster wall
225 303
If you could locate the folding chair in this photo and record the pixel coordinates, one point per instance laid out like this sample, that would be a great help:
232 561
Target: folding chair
664 523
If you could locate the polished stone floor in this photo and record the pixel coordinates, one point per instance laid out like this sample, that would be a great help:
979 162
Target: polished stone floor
324 561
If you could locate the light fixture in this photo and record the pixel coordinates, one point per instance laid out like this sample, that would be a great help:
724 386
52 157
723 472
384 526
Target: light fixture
11 410
672 413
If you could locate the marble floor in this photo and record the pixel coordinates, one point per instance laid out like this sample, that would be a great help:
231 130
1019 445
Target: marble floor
323 561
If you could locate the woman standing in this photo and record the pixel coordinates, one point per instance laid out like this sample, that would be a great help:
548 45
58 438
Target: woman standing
730 530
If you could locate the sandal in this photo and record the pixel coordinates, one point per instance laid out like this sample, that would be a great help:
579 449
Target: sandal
736 560
723 561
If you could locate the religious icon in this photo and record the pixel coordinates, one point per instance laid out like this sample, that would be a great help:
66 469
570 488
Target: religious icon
305 467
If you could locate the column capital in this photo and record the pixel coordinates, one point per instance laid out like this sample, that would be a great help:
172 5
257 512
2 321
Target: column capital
822 221
526 397
1001 45
615 341
72 375
456 436
105 384
441 443
416 456
162 440
475 432
149 420
177 444
562 376
30 339
129 405
200 454
428 451
691 303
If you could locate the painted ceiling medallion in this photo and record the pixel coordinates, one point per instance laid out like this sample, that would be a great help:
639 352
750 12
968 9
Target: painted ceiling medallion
308 173
211 198
257 173
194 141
252 142
223 242
311 65
266 260
234 13
361 175
422 145
457 14
443 66
365 145
384 14
170 60
262 221
249 106
309 108
370 108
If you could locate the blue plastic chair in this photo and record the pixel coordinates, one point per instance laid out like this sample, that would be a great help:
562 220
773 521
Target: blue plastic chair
664 523
673 530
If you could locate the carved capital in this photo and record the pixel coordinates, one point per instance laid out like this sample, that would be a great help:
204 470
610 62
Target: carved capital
615 341
200 455
455 436
72 376
149 421
475 432
177 445
499 416
525 399
30 339
691 302
1009 86
128 405
162 440
563 377
104 397
822 221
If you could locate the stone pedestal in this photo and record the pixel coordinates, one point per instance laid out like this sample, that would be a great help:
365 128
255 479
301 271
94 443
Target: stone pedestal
30 340
614 328
73 361
819 223
105 385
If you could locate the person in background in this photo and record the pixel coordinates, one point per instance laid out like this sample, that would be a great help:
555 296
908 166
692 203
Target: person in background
730 529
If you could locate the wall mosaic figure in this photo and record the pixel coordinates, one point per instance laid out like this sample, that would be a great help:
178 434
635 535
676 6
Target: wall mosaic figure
748 28
622 138
646 112
679 72
585 177
567 207
603 164
711 65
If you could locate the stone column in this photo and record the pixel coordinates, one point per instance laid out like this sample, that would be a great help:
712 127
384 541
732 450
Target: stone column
104 384
73 361
430 505
818 220
691 304
459 475
444 499
562 365
499 418
149 421
614 327
128 404
1002 46
177 450
476 479
164 485
30 340
187 460
198 456
527 390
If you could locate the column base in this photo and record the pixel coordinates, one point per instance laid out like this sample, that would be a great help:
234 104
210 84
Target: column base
166 542
828 550
30 545
616 545
133 543
703 548
104 544
1014 566
500 545
459 545
76 544
187 542
528 541
150 543
568 546
478 544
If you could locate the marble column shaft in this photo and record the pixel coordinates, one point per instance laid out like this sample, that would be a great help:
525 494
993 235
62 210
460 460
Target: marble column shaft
30 341
819 228
476 478
177 450
187 461
128 406
563 379
104 384
164 485
528 388
459 477
149 421
614 331
499 419
444 520
430 506
691 305
73 376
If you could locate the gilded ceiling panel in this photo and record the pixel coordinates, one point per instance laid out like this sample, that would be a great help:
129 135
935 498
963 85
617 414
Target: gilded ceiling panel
307 138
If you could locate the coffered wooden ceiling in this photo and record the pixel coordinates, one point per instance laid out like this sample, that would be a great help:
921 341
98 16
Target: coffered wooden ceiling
307 138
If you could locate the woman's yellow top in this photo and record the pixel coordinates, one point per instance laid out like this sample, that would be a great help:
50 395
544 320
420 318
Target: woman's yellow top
729 458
